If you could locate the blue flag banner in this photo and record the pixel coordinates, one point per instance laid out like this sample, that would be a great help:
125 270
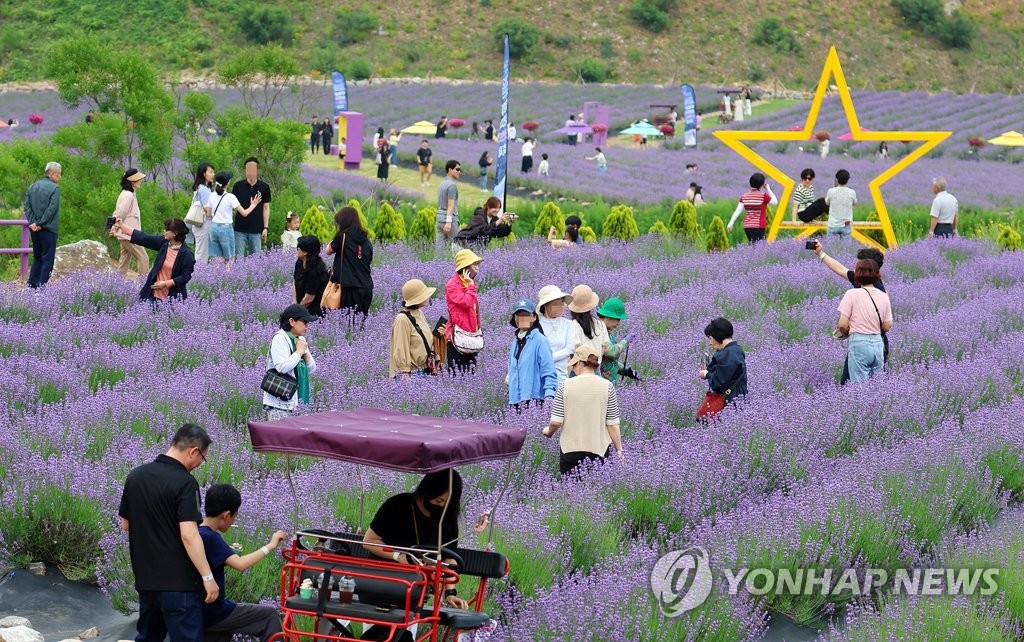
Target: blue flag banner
340 92
501 162
689 116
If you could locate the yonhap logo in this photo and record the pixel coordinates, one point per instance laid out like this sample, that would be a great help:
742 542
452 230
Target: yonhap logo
681 580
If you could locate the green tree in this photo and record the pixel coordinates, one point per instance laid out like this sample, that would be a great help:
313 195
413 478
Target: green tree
262 75
1009 238
314 223
620 224
423 227
958 30
278 145
522 36
353 25
550 216
588 234
263 24
923 14
389 225
683 221
718 238
770 32
354 203
651 14
659 228
591 70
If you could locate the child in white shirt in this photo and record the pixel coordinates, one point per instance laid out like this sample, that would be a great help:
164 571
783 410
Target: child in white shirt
542 169
290 236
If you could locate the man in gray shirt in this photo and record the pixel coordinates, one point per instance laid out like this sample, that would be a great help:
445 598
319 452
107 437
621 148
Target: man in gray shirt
448 204
945 211
42 210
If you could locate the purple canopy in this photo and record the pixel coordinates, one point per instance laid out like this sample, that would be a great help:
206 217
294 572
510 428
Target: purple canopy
388 439
578 128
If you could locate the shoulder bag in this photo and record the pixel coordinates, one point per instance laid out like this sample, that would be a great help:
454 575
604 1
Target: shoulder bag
196 215
714 402
331 299
433 363
885 339
278 385
466 342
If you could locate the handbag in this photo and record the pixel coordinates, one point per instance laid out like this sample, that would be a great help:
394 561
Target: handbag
196 215
466 342
885 339
714 402
278 385
331 299
433 363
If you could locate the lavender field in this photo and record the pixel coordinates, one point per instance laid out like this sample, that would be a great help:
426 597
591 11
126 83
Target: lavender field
654 175
922 466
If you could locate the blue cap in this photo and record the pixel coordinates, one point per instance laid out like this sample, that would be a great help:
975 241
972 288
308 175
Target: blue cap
524 305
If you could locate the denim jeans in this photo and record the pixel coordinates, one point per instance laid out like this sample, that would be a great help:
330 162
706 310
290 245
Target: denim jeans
865 356
178 613
44 250
483 178
247 243
222 241
843 230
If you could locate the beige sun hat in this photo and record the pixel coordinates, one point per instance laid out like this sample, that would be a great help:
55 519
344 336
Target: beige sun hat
136 176
583 299
550 293
416 292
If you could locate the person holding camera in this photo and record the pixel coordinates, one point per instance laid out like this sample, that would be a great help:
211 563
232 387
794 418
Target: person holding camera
611 314
289 355
486 224
174 264
865 313
753 204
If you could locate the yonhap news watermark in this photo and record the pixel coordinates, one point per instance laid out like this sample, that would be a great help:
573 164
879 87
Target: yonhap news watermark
682 580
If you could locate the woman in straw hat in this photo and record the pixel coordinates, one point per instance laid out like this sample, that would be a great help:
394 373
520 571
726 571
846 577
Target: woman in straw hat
589 330
412 347
127 212
463 312
561 334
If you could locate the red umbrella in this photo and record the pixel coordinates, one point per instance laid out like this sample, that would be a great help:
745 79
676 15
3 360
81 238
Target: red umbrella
849 135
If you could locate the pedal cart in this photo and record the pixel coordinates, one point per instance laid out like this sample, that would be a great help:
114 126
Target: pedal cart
337 582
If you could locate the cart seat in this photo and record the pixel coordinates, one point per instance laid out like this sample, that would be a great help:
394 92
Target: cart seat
458 619
482 563
381 590
355 611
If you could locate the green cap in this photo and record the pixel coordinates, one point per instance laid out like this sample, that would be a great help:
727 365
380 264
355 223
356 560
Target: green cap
613 308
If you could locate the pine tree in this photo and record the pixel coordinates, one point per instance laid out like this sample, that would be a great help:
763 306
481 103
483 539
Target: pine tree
389 226
314 223
550 216
683 221
660 229
423 227
362 218
620 224
588 234
718 238
1009 238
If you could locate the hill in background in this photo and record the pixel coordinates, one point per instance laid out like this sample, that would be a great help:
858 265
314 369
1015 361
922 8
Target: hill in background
660 41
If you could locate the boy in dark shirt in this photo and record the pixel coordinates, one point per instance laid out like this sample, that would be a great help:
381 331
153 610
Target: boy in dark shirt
224 616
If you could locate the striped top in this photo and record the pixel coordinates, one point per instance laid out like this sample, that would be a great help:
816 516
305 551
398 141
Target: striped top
803 196
755 208
585 406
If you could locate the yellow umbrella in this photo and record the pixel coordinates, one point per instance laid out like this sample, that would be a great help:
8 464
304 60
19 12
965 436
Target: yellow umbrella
422 128
1010 139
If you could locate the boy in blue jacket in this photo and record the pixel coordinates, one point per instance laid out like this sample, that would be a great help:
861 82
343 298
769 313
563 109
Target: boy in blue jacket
531 368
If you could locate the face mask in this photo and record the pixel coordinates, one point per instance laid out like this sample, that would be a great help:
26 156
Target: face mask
435 511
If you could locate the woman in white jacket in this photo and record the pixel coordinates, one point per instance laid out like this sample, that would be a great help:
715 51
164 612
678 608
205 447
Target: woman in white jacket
290 356
559 330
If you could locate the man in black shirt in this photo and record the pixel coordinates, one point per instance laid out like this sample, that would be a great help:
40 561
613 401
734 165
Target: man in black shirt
327 134
423 155
251 229
160 510
489 130
840 269
315 133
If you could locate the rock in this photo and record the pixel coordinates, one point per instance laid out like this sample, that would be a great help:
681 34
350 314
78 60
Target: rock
89 633
20 634
36 568
14 620
83 255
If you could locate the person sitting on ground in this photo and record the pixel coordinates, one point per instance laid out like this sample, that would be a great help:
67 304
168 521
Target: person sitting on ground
531 367
223 616
865 314
726 372
569 239
586 409
412 347
485 225
803 195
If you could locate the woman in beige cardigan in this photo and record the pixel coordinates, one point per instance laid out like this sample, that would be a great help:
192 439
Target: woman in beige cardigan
127 212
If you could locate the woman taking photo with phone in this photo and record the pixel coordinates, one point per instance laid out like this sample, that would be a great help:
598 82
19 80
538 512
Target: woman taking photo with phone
174 263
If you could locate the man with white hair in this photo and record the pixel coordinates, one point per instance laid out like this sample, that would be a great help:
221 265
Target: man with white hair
42 211
945 211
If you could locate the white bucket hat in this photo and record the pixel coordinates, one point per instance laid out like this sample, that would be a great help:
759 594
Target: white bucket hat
550 293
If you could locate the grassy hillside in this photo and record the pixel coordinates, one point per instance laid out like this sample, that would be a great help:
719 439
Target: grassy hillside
707 42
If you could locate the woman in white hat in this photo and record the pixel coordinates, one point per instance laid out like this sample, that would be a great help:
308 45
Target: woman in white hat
127 212
561 334
412 343
589 330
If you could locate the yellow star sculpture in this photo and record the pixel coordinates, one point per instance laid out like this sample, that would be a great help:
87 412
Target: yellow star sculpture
832 69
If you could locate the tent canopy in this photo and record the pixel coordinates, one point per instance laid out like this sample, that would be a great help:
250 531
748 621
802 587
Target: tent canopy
422 128
576 128
849 135
388 439
1010 139
642 128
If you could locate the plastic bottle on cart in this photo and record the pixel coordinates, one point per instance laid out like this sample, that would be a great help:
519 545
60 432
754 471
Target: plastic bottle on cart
346 590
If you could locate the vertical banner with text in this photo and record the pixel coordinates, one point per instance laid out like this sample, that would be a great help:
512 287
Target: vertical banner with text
501 162
340 92
689 116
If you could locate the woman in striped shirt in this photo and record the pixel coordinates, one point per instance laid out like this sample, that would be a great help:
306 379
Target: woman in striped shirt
803 195
755 206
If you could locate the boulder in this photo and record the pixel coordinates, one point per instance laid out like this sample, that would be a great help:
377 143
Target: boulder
83 255
89 633
14 620
36 568
20 634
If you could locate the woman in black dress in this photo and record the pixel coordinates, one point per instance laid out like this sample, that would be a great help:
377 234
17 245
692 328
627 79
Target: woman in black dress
310 275
383 159
353 255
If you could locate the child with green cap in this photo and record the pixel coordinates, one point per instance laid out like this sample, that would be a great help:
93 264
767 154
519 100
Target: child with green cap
611 314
